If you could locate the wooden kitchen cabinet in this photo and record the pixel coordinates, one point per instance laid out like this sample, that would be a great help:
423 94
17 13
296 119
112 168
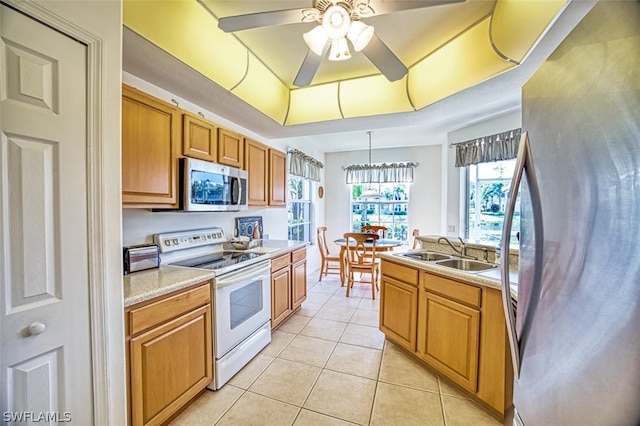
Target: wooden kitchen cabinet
150 144
267 170
230 148
288 284
399 303
169 353
277 178
199 138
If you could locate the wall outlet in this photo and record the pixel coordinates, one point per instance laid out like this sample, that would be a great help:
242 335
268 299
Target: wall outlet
451 228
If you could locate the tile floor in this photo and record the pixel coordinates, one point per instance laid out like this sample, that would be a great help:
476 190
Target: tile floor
330 365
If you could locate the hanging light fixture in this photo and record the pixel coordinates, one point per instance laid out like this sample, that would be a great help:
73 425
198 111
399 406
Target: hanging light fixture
370 192
336 25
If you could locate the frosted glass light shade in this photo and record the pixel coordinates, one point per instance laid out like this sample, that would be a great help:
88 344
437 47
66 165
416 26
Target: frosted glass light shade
316 39
360 35
335 22
339 50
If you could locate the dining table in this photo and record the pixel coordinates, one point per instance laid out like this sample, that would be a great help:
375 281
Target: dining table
382 244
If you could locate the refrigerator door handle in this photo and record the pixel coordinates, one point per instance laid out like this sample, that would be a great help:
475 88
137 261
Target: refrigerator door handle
524 164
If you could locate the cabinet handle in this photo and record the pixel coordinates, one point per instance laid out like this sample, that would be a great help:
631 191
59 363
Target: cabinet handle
36 328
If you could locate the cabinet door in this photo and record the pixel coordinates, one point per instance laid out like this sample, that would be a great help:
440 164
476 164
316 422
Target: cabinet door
150 140
170 364
280 296
256 162
398 311
448 334
299 283
277 178
198 138
230 148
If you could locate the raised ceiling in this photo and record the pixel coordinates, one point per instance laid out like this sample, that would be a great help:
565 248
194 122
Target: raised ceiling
164 35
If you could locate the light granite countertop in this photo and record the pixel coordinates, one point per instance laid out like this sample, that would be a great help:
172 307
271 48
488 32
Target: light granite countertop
146 285
489 278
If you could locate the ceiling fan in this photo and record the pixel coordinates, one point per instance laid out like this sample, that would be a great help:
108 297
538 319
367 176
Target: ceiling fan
339 21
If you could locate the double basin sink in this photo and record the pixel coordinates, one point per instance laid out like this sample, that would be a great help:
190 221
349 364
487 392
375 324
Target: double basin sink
449 261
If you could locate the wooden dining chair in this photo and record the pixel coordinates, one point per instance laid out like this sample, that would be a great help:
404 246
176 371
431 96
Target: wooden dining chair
375 229
415 233
329 263
362 259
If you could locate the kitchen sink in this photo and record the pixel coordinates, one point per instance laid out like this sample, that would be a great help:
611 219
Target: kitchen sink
426 256
466 265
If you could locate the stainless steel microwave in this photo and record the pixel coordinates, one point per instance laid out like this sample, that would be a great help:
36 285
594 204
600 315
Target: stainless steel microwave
208 187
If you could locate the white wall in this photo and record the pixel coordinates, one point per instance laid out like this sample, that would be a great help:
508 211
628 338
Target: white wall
425 192
456 181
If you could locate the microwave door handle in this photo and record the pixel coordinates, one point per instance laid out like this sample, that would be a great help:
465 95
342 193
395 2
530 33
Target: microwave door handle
235 191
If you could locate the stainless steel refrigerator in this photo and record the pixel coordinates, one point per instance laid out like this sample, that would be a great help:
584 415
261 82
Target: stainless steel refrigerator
576 334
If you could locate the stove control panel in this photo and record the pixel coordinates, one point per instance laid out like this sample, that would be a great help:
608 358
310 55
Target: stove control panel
189 239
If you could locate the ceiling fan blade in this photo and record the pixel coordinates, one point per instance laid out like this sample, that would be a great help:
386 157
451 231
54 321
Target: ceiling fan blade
309 67
230 24
382 7
384 59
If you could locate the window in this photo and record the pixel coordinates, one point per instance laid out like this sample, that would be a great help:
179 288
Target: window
299 208
487 192
390 210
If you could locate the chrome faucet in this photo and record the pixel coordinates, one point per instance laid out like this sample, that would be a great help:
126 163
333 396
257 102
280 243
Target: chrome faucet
463 247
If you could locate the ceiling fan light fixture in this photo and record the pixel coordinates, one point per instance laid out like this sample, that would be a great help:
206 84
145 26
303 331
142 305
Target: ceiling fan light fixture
336 22
360 35
339 50
316 40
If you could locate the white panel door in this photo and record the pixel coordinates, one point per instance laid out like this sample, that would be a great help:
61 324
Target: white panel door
45 356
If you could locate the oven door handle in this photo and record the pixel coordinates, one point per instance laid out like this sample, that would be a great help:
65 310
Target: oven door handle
255 273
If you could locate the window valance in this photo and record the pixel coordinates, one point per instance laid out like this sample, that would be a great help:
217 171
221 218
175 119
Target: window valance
380 173
498 147
303 165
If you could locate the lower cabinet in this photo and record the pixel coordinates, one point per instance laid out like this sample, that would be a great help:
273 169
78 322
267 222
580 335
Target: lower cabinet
288 284
169 354
455 328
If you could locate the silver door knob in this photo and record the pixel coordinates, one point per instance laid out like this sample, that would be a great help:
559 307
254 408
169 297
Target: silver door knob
36 328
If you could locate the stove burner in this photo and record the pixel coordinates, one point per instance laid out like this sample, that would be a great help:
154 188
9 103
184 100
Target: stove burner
217 260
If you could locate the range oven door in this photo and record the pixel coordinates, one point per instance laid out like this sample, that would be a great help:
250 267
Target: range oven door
243 305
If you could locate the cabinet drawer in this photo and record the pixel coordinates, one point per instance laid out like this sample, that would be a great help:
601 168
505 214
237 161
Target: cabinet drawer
280 262
140 319
298 255
399 272
453 290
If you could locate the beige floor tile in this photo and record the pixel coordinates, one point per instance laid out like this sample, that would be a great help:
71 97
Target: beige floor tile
447 388
398 405
308 350
279 340
343 396
251 371
398 368
324 329
464 412
209 407
369 304
365 317
327 285
257 410
318 296
310 418
356 360
390 346
294 323
286 381
363 335
337 313
340 300
309 309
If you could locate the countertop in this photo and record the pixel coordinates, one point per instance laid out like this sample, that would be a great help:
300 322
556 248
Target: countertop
489 278
145 285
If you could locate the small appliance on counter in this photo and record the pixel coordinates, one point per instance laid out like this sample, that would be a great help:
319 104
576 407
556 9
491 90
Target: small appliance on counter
141 257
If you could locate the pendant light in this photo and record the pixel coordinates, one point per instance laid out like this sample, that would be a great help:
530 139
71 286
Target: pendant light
370 192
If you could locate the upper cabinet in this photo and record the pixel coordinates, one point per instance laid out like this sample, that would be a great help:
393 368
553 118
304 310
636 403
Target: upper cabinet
267 169
230 148
150 140
198 138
